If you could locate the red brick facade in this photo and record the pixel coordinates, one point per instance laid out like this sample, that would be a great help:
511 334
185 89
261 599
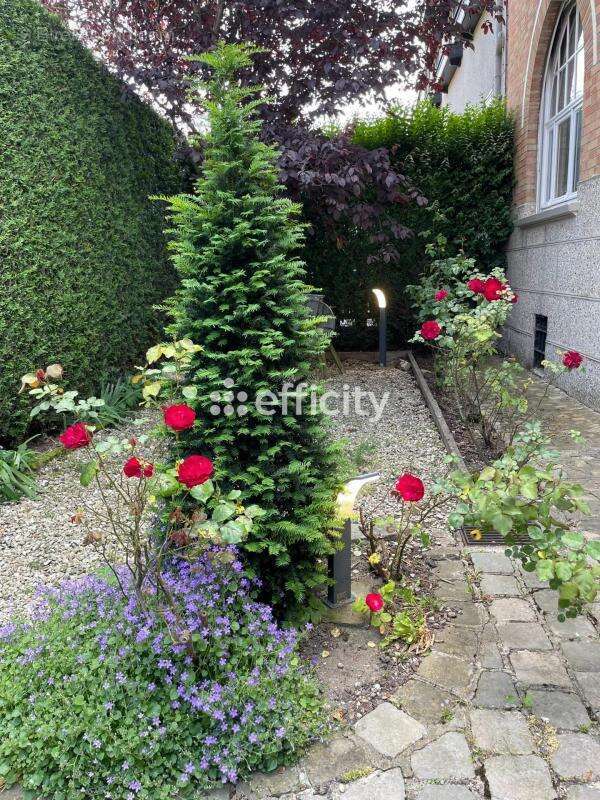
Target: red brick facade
530 28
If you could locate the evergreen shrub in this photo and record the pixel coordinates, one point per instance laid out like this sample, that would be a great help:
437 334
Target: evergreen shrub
82 255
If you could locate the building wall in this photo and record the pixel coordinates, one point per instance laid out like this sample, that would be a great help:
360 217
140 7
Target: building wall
554 264
480 75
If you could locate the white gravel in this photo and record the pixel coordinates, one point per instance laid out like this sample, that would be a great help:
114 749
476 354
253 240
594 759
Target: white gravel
404 439
38 542
40 545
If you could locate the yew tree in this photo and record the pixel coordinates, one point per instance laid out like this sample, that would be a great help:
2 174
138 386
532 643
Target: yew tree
319 56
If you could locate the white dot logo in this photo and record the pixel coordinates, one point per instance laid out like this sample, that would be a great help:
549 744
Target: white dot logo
223 402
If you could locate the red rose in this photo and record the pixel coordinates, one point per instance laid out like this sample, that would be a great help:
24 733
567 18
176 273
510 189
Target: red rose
476 285
430 330
493 289
572 359
134 468
441 295
180 417
374 602
409 487
75 436
40 375
195 470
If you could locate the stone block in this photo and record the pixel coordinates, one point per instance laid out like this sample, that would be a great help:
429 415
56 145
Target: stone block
577 757
496 690
387 785
518 778
535 668
448 758
512 610
491 562
389 730
502 732
499 586
561 709
523 635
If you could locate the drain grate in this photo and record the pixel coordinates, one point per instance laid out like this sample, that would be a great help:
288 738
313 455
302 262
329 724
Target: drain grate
492 538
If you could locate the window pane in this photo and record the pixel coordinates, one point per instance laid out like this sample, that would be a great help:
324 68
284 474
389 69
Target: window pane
577 149
580 72
562 158
563 47
572 31
571 80
562 80
549 159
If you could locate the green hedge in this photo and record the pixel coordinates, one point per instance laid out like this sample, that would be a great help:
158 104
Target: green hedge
82 257
462 163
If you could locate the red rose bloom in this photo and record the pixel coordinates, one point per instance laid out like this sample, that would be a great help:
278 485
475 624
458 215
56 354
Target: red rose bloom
374 602
180 417
195 470
134 468
75 436
493 288
572 359
476 285
409 487
441 295
430 330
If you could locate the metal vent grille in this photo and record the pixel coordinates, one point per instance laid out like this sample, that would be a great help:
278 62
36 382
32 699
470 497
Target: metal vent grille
491 539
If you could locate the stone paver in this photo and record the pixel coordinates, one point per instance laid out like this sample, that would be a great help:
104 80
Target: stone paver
389 730
499 586
590 686
470 615
583 793
492 562
578 628
332 759
447 758
562 710
524 636
535 668
387 785
577 757
457 642
446 792
507 609
583 656
547 600
489 656
518 778
496 690
424 702
446 671
502 732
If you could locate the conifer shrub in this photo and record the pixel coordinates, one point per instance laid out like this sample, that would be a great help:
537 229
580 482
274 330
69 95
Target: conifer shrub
243 298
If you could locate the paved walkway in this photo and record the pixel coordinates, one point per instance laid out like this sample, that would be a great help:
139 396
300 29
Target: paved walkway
506 705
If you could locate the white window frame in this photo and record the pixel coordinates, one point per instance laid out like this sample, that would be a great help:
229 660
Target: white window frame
550 123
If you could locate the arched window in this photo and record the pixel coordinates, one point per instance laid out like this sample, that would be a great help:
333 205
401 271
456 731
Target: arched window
562 109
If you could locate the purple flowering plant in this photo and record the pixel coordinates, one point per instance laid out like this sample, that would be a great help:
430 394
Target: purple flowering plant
104 696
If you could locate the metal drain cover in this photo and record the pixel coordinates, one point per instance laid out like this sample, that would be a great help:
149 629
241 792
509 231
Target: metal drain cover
492 539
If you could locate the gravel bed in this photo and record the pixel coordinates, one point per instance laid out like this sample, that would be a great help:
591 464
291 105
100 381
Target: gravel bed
404 439
38 542
40 545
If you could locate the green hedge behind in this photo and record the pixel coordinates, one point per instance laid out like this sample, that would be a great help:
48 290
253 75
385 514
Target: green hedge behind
461 162
82 255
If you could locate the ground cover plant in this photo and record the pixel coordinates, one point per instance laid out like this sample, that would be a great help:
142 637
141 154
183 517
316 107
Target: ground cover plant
244 299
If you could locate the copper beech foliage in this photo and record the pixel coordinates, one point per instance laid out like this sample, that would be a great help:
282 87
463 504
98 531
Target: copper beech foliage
319 56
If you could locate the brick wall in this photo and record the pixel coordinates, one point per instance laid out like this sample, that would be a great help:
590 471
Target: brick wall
530 27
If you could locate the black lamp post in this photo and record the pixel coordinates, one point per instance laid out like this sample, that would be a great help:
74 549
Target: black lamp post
382 303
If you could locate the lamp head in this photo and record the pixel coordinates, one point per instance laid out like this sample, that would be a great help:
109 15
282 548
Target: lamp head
347 497
381 301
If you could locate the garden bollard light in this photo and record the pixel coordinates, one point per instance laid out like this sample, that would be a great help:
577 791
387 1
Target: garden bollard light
382 303
339 592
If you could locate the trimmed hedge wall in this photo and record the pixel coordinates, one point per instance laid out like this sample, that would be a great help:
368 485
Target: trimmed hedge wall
82 257
463 164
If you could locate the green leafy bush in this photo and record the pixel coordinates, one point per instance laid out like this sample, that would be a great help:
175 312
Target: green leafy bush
243 299
17 473
101 694
82 257
463 165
